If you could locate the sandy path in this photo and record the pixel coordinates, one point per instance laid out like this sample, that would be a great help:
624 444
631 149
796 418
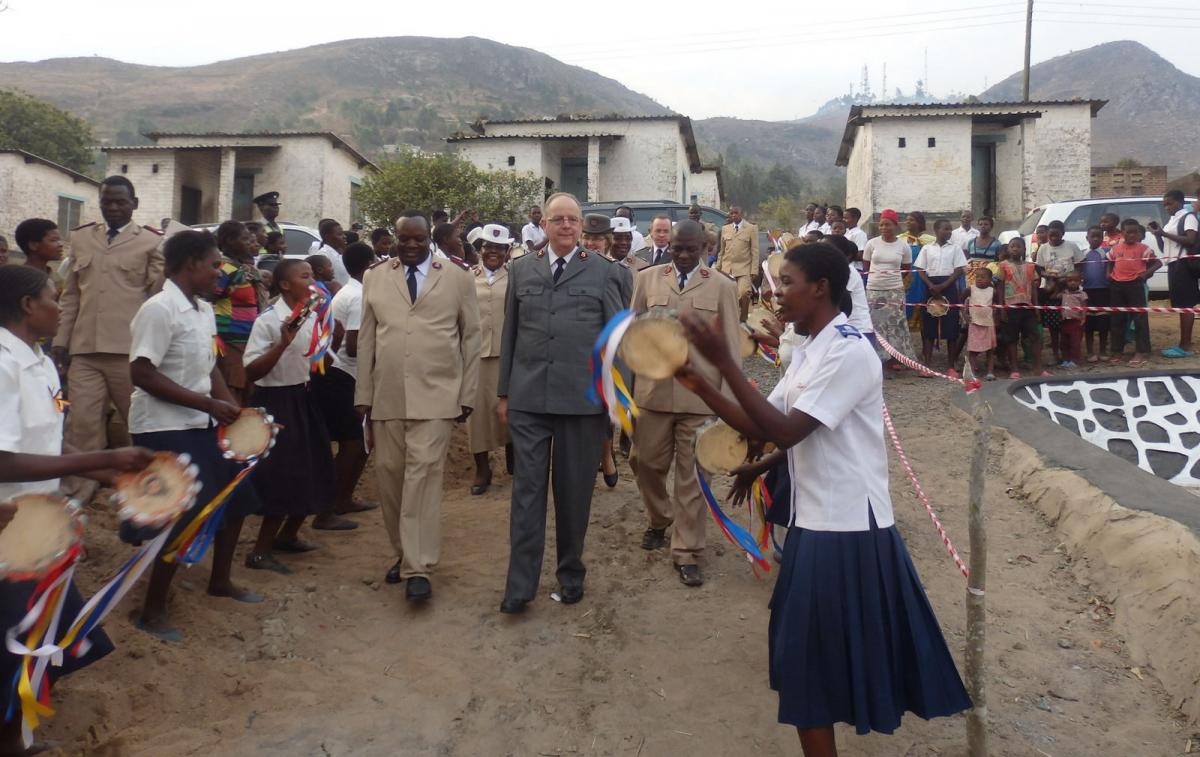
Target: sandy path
336 663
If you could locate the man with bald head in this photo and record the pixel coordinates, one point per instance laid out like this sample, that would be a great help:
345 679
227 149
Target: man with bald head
739 254
670 414
558 301
418 372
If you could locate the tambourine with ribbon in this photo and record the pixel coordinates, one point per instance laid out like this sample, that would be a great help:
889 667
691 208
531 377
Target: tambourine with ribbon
654 346
250 437
159 494
45 535
719 448
937 306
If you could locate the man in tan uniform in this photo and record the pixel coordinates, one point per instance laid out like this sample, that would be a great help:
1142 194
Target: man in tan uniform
115 266
671 415
738 255
418 372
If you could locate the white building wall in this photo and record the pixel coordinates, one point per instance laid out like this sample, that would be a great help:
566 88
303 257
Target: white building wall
644 164
860 176
156 191
342 174
1009 200
703 186
935 180
31 190
1059 154
493 154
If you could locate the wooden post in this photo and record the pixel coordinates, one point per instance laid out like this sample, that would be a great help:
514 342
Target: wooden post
976 666
1028 48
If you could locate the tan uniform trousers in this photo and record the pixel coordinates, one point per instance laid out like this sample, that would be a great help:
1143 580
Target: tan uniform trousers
95 381
743 294
659 439
410 458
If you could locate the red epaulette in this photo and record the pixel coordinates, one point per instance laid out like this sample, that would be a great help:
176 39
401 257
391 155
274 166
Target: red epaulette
153 230
84 226
459 262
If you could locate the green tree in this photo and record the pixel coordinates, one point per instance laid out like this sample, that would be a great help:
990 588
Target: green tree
1128 163
785 213
35 126
428 181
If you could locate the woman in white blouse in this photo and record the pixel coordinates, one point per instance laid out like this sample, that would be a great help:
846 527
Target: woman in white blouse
852 636
885 261
32 459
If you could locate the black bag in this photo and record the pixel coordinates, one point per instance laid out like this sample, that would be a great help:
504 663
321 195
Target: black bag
1191 252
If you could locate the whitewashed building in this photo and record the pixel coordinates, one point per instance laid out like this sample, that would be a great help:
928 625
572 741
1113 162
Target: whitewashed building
598 159
212 177
33 187
999 159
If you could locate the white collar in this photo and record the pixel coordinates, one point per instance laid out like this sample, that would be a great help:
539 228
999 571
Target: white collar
422 267
554 256
175 295
24 354
816 345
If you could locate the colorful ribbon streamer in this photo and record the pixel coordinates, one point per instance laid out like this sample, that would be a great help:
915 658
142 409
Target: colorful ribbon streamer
608 388
322 335
193 541
759 504
768 354
733 532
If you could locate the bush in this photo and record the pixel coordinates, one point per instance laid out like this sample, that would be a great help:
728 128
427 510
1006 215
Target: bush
29 124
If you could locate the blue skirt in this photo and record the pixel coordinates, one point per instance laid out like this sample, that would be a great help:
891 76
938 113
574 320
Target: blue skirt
853 638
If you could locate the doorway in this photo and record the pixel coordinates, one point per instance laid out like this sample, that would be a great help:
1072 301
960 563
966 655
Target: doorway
189 206
574 177
983 179
243 196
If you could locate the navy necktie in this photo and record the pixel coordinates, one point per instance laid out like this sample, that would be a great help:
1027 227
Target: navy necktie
412 283
559 265
112 234
682 281
659 255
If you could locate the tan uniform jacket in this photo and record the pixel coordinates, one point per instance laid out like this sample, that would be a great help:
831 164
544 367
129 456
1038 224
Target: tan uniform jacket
418 361
707 294
739 250
105 286
491 307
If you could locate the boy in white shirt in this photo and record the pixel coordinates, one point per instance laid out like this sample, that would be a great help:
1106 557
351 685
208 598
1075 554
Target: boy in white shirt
941 264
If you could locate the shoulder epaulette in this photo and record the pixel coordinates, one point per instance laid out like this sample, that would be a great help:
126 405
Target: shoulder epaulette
84 226
848 331
459 262
153 230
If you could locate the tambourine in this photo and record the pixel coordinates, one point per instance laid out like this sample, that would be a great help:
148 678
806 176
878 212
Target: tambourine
718 448
250 437
746 343
756 316
937 306
45 530
156 496
654 345
775 265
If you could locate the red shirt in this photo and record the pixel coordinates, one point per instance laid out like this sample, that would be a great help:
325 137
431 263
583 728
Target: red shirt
1129 261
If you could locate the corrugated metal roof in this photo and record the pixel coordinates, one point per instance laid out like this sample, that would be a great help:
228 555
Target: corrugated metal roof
134 148
998 105
337 141
461 137
31 158
570 117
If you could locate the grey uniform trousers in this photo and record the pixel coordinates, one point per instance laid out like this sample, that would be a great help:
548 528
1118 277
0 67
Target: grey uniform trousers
564 451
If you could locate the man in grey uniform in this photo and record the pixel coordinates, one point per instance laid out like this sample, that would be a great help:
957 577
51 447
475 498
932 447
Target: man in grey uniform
557 303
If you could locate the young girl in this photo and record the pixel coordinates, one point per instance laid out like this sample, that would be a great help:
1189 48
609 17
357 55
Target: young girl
981 329
179 396
239 296
1074 301
32 460
323 274
297 479
1094 271
846 575
1131 265
1020 287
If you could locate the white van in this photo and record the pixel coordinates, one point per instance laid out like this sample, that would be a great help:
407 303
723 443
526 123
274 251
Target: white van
1079 215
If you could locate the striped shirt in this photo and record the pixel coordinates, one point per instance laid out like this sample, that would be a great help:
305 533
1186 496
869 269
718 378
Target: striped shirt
239 297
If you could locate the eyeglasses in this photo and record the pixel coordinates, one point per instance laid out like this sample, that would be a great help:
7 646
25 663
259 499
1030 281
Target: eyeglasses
564 221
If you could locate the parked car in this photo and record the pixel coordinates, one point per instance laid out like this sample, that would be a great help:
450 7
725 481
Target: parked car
1078 215
301 242
644 212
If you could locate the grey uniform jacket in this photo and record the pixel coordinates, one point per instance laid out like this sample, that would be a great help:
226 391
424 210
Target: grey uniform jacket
550 328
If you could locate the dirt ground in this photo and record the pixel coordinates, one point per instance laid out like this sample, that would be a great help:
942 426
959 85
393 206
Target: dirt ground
336 663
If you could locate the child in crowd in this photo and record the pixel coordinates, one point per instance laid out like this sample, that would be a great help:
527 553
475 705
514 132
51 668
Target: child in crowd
1110 224
981 329
1041 235
1132 263
1074 301
297 479
32 461
237 299
1093 270
276 243
42 244
179 396
259 233
322 270
382 241
1020 279
1055 259
940 264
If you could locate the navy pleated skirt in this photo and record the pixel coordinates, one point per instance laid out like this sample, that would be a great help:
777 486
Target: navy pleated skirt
853 638
13 600
297 478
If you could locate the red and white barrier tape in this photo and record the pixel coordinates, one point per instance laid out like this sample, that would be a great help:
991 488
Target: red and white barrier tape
970 385
912 477
1089 308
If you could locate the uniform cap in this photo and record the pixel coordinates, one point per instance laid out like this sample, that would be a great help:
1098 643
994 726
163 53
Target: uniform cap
621 225
267 198
596 223
494 233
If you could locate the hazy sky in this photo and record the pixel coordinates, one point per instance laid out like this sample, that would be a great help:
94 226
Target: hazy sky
770 59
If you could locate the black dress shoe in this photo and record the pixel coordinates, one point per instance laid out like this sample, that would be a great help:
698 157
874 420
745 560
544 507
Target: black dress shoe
654 538
610 479
393 575
478 489
418 589
570 594
689 575
513 606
